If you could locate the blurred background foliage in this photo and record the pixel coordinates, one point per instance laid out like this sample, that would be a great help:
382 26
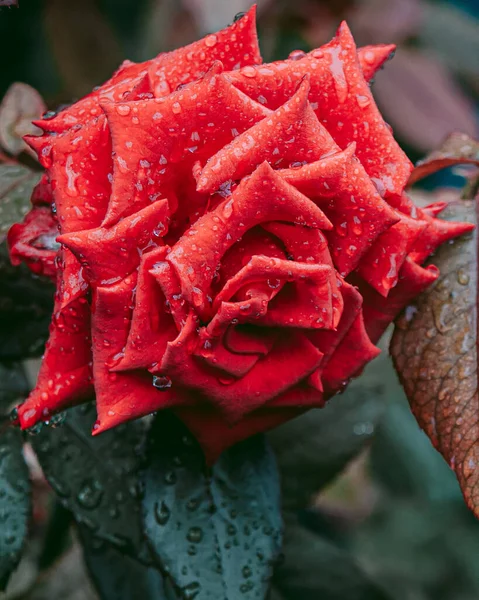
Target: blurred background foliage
393 524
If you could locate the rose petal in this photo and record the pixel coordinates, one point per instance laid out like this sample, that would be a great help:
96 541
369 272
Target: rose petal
340 186
65 373
291 134
108 254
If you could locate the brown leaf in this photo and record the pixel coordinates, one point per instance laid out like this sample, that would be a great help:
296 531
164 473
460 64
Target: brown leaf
434 349
20 105
457 149
421 100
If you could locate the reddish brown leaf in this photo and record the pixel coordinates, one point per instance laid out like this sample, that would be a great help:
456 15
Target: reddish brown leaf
458 148
20 105
435 354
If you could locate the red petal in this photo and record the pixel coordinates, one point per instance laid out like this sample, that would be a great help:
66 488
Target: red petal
291 359
149 135
381 265
350 356
378 312
65 373
340 186
109 254
79 175
235 46
33 242
263 197
372 58
151 324
343 102
291 134
216 435
120 396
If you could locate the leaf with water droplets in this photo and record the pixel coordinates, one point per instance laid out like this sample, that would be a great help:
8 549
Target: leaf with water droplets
314 448
15 503
434 349
119 577
16 186
96 477
217 531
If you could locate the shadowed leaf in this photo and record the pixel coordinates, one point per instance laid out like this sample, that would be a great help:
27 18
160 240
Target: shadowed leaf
216 531
314 448
95 477
15 502
314 568
26 303
119 577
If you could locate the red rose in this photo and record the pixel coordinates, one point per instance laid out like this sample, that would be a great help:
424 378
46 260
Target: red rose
234 236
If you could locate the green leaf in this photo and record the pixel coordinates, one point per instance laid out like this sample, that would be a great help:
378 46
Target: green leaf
15 502
96 477
119 577
16 186
314 448
314 568
26 304
216 531
13 385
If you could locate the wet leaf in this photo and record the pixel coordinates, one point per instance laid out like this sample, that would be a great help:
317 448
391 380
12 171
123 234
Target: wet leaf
15 502
422 101
434 349
458 148
117 576
314 448
20 105
13 384
96 477
26 303
16 186
315 568
217 532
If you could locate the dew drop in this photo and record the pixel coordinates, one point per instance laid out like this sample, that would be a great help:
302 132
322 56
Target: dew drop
162 382
211 40
297 55
162 513
195 535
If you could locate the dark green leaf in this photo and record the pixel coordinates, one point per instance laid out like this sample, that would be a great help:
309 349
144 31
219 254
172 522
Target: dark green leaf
16 185
95 477
215 531
26 303
15 503
315 569
314 448
13 385
119 577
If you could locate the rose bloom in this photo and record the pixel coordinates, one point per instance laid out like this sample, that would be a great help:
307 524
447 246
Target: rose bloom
234 236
